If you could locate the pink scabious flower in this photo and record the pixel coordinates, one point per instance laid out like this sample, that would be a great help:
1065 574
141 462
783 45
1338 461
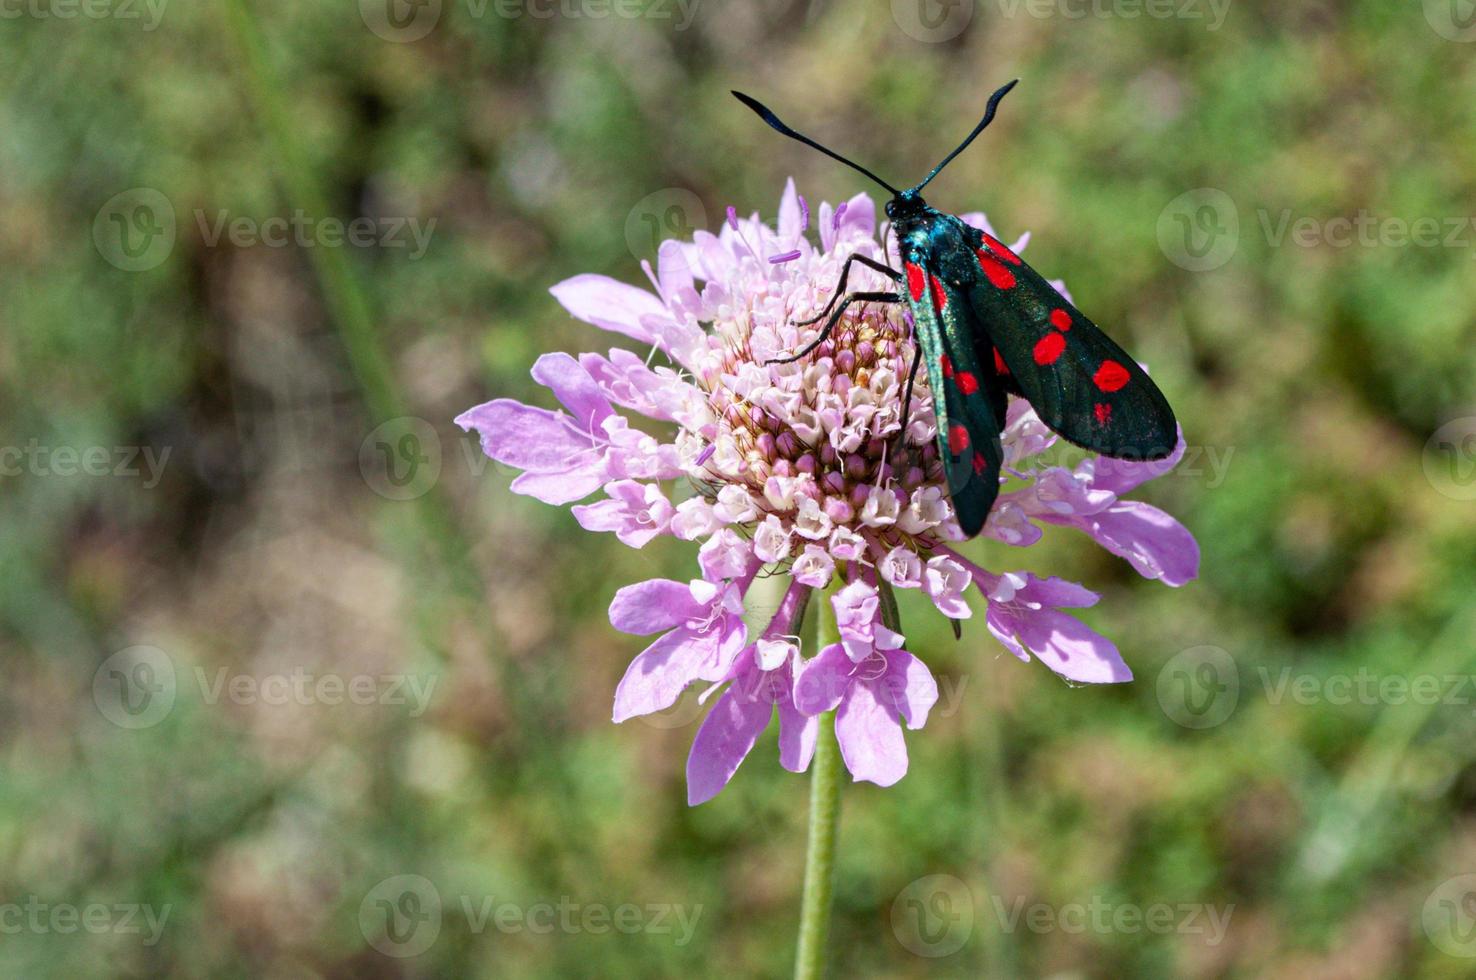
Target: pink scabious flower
801 470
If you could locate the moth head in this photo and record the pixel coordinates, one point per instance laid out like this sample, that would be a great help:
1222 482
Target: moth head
905 205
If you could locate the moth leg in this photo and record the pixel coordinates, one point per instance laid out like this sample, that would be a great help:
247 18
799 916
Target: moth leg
840 287
835 318
907 391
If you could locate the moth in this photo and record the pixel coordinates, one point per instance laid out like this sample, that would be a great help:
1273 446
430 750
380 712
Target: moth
989 326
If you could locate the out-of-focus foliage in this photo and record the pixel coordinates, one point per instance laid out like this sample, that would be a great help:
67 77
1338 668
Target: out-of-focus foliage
1324 378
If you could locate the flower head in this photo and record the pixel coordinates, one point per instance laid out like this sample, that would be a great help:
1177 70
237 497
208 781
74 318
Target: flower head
803 470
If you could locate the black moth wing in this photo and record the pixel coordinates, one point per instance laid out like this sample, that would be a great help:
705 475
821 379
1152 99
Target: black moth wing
967 404
1083 385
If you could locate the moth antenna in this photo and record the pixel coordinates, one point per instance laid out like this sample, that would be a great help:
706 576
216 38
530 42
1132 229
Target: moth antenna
774 121
988 117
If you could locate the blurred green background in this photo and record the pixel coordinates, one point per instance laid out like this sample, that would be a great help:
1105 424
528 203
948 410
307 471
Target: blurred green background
207 529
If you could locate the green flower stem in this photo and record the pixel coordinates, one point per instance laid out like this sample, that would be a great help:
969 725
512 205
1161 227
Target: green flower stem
825 782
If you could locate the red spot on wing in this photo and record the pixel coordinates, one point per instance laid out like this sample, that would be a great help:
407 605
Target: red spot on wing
940 298
1000 250
946 365
958 439
916 283
999 364
995 271
1111 376
1060 319
980 463
967 383
1049 348
1103 411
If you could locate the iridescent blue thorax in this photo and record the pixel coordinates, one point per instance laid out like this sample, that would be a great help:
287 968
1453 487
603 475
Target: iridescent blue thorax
928 236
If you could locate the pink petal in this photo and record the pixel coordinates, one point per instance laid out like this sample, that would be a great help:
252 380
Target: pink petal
1066 645
723 742
560 488
821 682
654 605
610 305
797 733
659 674
1122 475
1156 545
860 217
870 738
574 388
674 272
908 686
789 213
528 438
615 516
